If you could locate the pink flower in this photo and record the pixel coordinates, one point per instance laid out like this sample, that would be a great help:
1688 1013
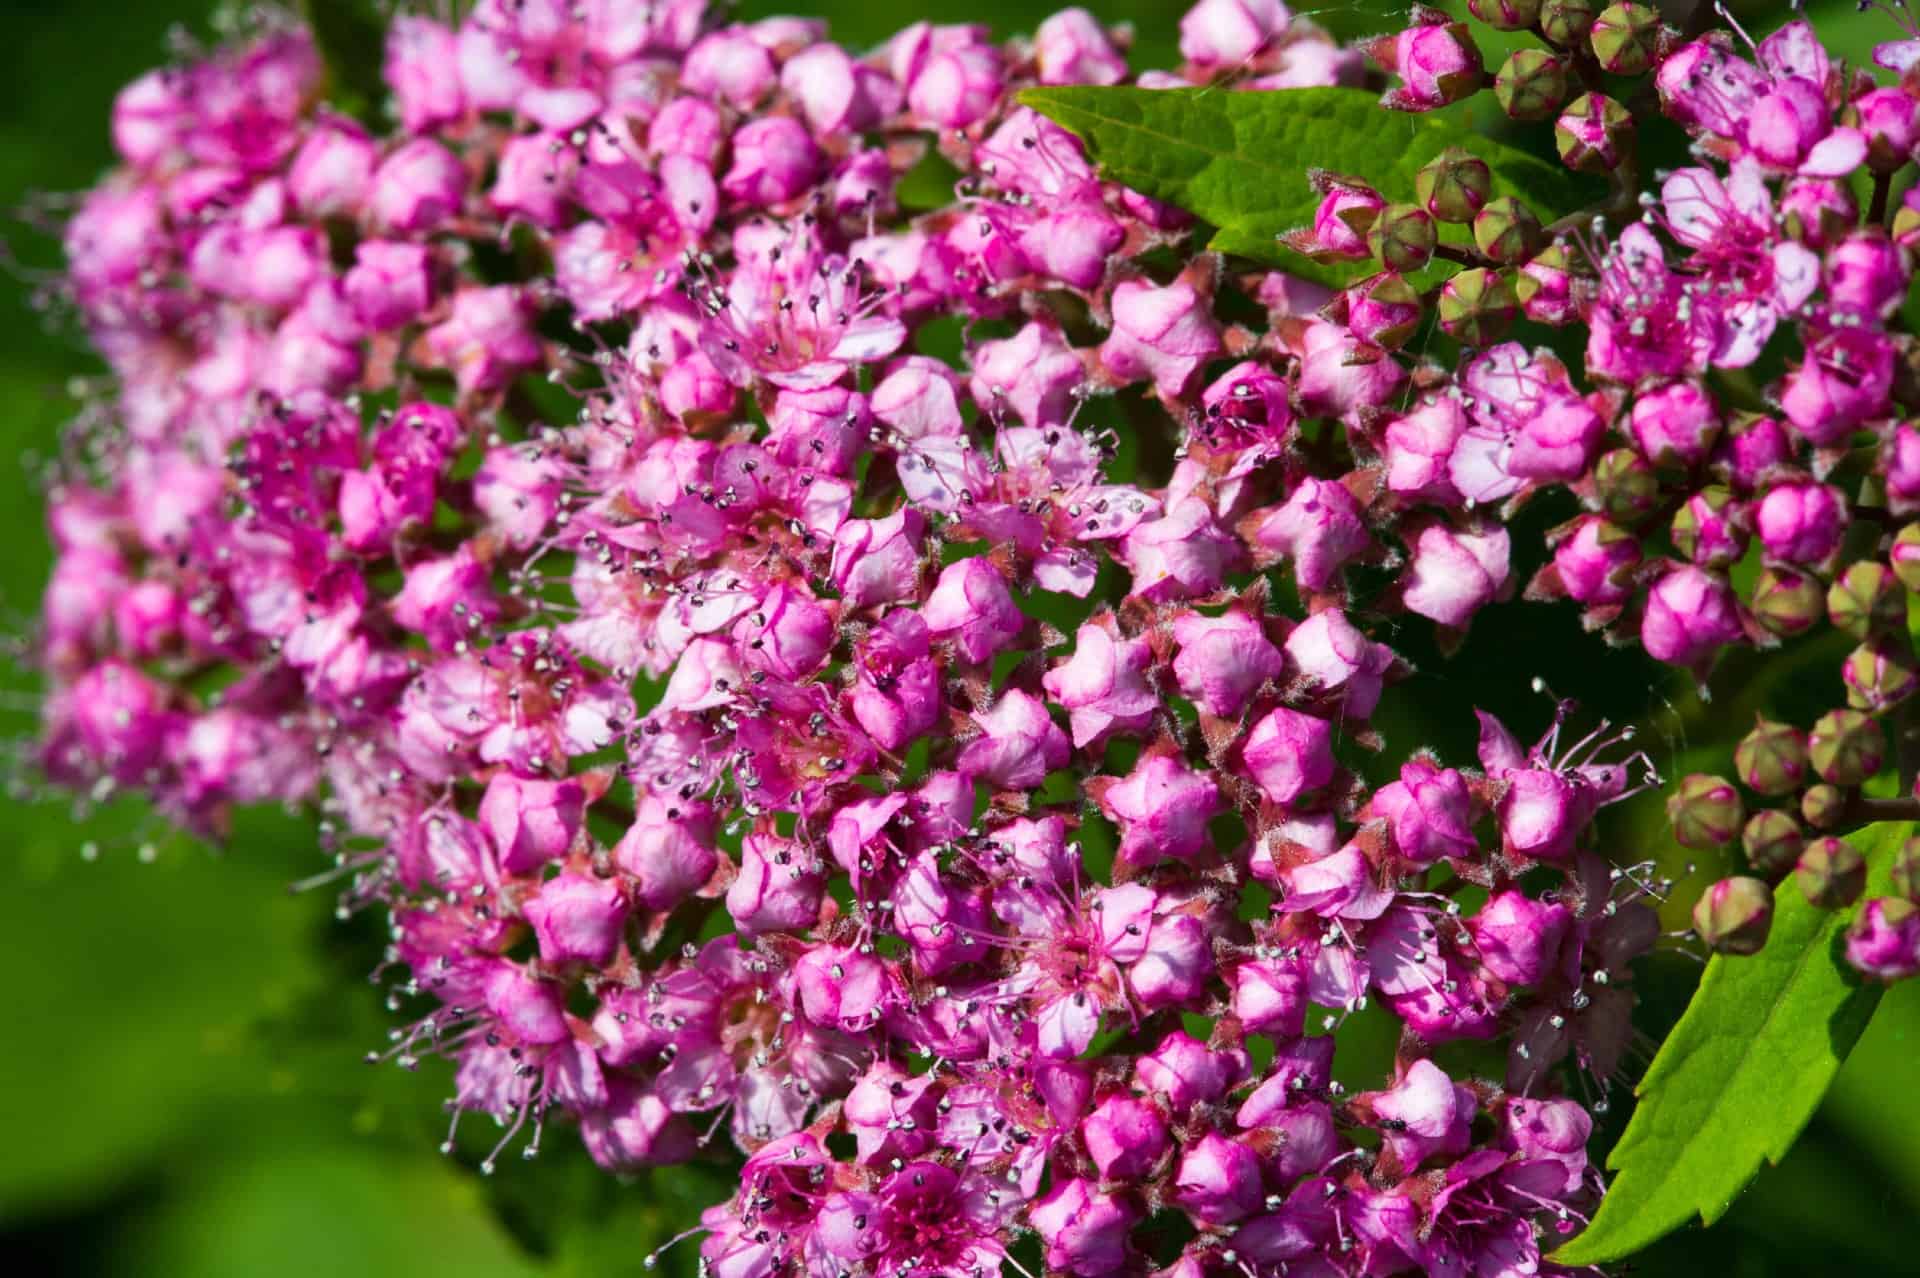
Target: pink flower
1126 1137
1159 334
1429 811
1223 660
1319 527
1455 572
1226 33
577 918
1437 63
1690 615
1289 753
971 605
1071 47
1018 745
1162 809
1338 660
1103 685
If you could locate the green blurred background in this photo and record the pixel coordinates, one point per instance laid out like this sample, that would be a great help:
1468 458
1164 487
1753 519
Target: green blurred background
183 1092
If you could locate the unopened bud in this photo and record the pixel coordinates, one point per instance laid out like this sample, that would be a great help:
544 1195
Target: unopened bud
1822 806
1906 557
1773 842
1867 599
1403 237
1549 292
1880 673
1531 85
1625 38
1505 15
1454 185
1831 873
1626 485
1818 211
1734 915
1704 811
1786 602
1506 231
1566 22
1385 311
1890 119
1905 870
1846 747
1478 306
1436 60
1593 134
1706 528
1772 759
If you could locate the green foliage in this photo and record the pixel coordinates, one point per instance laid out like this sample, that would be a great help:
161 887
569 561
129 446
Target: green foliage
1740 1075
351 36
1239 161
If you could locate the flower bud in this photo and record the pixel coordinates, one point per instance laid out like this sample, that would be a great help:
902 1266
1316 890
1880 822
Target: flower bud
1437 63
1734 915
1818 211
1506 231
1846 747
1905 870
1750 449
1906 557
1593 563
1676 424
1626 485
1884 942
1772 841
1454 185
1786 602
1478 306
1704 811
1386 311
1566 22
1880 674
1547 287
1772 759
1593 134
1823 806
1866 600
1890 118
1402 237
1706 531
1506 15
1344 218
1625 38
1690 615
1831 873
1531 85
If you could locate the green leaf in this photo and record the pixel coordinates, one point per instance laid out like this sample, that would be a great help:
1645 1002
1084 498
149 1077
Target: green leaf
1240 160
1741 1073
352 38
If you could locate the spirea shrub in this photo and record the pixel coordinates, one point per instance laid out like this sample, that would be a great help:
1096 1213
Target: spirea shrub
649 496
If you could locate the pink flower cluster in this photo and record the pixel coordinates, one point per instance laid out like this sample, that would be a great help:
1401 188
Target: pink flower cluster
1719 512
706 596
